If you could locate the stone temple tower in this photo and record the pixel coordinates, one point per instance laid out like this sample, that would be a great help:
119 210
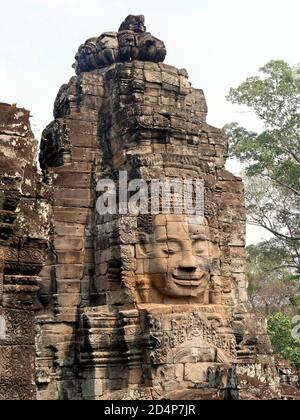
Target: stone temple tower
142 306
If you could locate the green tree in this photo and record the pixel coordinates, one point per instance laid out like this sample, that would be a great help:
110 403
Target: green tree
273 286
272 157
280 331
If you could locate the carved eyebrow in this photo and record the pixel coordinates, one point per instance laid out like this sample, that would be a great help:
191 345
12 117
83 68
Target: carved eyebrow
195 237
167 238
161 239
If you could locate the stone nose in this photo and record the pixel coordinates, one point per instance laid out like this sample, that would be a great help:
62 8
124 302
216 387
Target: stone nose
188 262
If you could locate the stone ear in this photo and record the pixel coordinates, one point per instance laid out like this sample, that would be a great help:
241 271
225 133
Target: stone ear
142 251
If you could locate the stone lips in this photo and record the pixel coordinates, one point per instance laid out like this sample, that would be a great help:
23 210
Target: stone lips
132 42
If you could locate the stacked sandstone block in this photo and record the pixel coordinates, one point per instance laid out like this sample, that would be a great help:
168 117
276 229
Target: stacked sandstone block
70 158
107 329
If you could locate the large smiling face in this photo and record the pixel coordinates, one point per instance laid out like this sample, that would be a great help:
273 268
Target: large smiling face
179 261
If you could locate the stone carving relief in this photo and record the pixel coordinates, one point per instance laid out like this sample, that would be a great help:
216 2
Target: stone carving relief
165 258
142 305
132 42
190 338
22 252
176 257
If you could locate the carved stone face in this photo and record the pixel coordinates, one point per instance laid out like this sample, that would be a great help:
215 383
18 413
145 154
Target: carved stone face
179 256
126 39
90 46
108 40
134 23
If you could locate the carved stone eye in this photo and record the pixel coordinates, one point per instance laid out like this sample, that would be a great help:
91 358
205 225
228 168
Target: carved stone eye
199 247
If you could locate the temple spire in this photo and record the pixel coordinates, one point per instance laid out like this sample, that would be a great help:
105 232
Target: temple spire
131 42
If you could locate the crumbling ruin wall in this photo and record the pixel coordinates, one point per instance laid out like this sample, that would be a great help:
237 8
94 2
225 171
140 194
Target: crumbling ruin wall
23 240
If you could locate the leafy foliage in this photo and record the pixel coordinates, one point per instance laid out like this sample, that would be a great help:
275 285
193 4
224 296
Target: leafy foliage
272 157
280 331
273 286
272 168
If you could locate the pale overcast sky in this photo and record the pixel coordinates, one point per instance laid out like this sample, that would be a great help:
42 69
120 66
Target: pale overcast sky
219 42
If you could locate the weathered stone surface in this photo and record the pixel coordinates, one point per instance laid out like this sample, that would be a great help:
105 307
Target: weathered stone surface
24 227
130 306
156 302
132 42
